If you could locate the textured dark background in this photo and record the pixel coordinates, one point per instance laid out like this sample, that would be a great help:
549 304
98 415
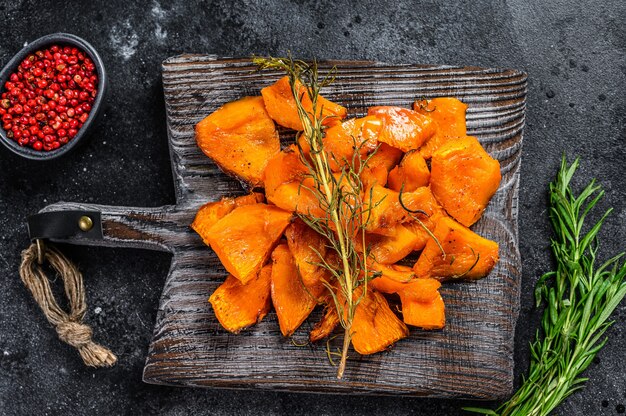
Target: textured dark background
574 52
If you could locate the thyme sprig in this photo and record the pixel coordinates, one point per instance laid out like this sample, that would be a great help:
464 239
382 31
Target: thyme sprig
579 298
339 195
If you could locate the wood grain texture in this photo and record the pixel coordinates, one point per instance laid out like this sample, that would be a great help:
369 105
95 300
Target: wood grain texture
472 357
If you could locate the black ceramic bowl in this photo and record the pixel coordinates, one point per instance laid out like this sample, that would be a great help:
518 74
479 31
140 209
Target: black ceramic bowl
61 39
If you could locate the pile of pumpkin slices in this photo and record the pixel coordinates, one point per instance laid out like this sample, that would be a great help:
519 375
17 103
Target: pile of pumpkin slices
426 178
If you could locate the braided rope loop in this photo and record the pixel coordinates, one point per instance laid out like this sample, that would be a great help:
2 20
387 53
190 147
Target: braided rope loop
69 325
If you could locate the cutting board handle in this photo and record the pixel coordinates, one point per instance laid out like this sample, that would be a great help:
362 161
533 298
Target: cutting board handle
161 228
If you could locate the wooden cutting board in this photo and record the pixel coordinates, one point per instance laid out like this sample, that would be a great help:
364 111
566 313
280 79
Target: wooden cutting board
472 357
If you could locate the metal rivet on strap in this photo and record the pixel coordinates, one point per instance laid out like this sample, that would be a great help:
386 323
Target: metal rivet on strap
85 223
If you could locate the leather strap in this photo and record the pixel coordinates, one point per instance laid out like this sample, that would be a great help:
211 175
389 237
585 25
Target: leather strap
60 225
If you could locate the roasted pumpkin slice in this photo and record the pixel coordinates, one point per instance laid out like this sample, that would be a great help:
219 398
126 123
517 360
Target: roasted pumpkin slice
240 137
238 306
467 255
287 185
389 249
375 175
410 174
403 128
379 164
281 105
394 277
292 301
423 229
375 327
327 324
243 239
212 212
464 178
306 246
286 166
384 211
298 197
421 290
422 305
341 141
449 115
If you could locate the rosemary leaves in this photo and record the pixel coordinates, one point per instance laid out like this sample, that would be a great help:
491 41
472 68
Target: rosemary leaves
339 196
579 297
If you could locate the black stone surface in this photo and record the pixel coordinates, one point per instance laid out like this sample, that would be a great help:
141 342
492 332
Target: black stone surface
574 52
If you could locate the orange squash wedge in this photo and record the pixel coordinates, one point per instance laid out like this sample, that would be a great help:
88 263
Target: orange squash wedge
379 164
212 212
423 306
403 128
292 301
297 197
281 105
449 115
375 327
389 249
326 325
286 166
467 255
394 277
240 137
343 140
419 230
306 246
464 178
244 238
287 185
238 306
411 173
384 210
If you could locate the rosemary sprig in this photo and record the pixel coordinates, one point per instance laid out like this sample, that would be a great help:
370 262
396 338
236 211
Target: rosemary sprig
579 298
339 195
